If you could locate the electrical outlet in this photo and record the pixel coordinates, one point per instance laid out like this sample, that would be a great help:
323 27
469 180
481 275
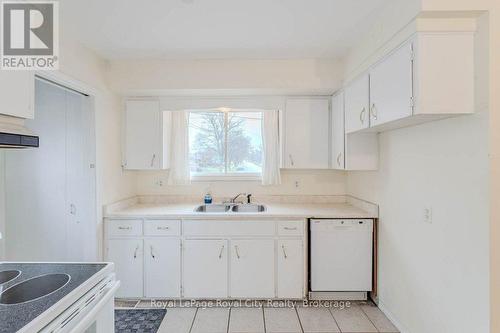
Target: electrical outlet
427 215
297 184
159 182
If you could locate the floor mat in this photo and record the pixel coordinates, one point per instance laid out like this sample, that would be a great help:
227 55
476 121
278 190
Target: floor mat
138 320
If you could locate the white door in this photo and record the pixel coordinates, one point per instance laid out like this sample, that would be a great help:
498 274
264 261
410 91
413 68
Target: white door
356 104
307 133
17 93
391 87
205 268
127 254
51 178
162 267
142 135
80 173
338 134
252 268
290 268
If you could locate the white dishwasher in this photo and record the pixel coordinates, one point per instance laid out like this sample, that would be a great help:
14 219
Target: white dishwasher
341 258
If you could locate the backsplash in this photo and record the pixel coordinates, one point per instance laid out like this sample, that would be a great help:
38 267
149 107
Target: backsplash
294 182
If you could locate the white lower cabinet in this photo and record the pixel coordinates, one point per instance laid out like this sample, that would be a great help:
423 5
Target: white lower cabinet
185 259
252 268
162 267
205 268
127 254
290 279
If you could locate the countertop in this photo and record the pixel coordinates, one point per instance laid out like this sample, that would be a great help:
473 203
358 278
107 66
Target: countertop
273 210
14 317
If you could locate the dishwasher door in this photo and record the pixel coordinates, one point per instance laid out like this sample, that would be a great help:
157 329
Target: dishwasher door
341 255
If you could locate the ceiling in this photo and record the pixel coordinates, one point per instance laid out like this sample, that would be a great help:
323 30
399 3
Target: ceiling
218 29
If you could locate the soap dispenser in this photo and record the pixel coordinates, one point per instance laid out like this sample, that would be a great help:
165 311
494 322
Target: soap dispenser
208 197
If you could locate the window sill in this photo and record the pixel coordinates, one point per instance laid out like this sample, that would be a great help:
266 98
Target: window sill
226 178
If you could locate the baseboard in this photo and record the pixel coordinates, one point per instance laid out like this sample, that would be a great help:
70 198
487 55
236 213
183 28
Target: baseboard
392 318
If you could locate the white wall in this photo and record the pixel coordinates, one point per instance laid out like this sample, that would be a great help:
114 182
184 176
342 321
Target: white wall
434 277
2 205
242 76
310 182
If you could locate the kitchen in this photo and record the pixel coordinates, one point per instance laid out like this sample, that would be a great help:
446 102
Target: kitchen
331 169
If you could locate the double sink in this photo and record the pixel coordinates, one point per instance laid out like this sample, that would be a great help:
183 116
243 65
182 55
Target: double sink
230 208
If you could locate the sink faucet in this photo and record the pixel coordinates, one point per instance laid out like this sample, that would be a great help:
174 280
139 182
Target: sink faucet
233 200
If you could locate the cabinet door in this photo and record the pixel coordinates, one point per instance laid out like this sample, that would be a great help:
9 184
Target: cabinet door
205 268
307 133
143 135
252 268
290 268
162 267
17 93
356 104
391 87
338 133
127 254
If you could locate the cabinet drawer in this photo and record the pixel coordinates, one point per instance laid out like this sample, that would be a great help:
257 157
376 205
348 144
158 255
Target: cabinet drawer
124 227
228 228
290 228
162 227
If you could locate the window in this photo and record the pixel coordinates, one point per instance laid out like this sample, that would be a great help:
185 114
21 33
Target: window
225 143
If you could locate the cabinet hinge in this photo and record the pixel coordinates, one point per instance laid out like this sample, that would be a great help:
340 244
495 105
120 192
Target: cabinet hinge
412 55
412 102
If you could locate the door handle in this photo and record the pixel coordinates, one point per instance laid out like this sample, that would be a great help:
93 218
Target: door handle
362 115
124 228
373 111
220 253
290 228
284 251
152 254
72 209
338 158
153 160
135 252
291 159
161 228
237 251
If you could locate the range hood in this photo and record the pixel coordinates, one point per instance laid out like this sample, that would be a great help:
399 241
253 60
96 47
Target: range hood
16 135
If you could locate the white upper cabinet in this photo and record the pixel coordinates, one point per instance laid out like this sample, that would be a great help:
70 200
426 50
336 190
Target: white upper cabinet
337 128
391 87
306 141
17 93
357 99
147 135
428 77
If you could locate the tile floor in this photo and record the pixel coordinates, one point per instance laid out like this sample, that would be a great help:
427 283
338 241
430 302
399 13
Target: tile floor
355 317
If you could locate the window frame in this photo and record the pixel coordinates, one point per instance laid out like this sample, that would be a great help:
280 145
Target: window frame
226 176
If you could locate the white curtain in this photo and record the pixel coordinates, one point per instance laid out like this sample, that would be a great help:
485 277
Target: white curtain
179 158
271 148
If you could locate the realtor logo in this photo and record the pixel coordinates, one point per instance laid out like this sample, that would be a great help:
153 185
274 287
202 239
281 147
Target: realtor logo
29 35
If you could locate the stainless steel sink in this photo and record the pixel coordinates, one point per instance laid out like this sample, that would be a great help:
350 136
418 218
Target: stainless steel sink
249 208
6 276
34 288
213 208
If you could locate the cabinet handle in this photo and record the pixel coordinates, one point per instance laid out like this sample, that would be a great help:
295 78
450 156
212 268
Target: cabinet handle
338 158
135 252
152 254
153 160
237 252
362 115
373 111
220 253
124 228
284 251
161 228
291 159
290 228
